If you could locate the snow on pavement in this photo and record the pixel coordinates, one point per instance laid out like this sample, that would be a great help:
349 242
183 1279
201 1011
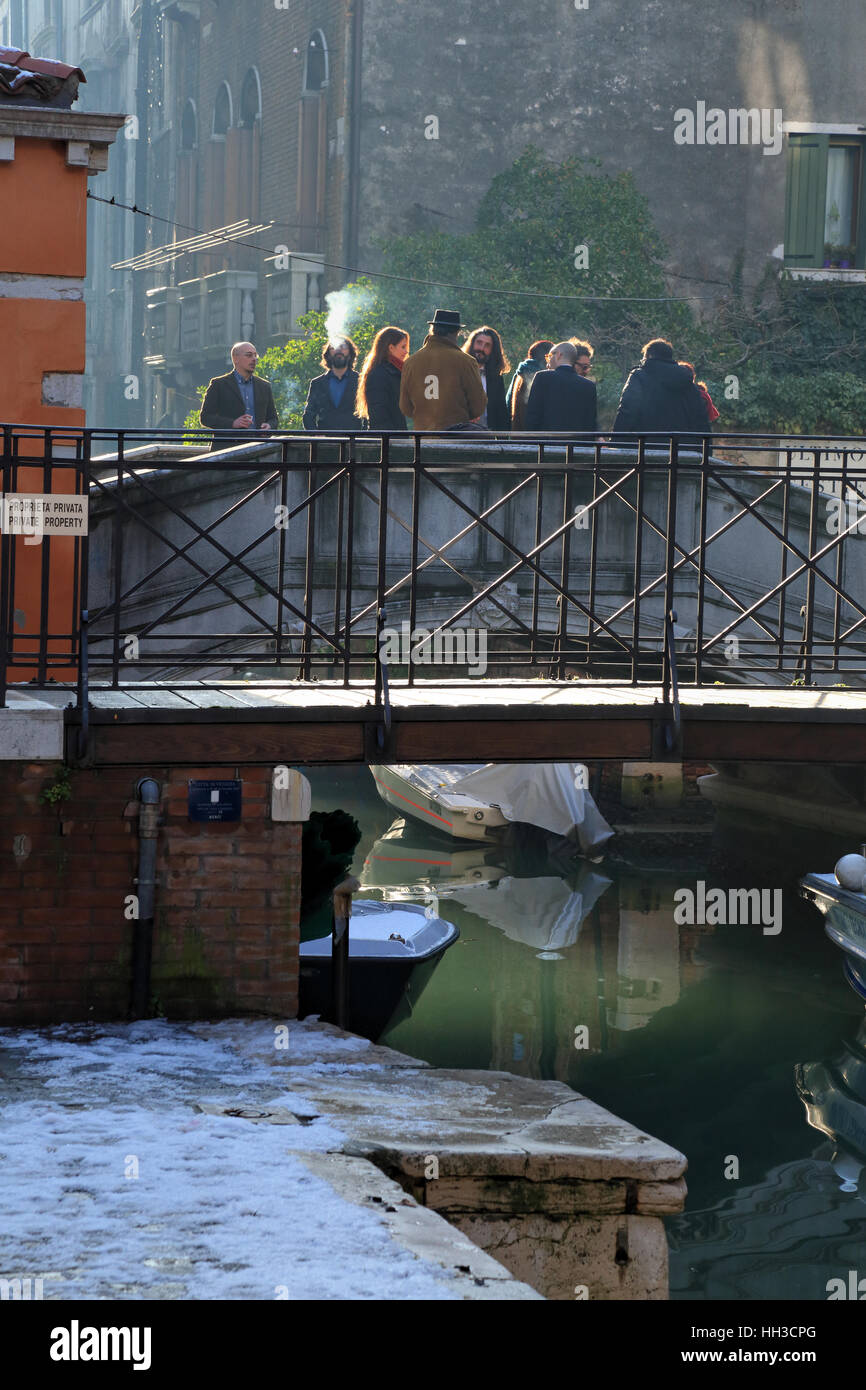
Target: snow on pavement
219 1208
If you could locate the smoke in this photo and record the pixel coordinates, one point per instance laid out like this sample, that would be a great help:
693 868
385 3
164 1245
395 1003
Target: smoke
293 394
345 307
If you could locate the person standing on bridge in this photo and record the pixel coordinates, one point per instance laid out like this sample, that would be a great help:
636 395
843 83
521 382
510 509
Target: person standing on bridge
331 397
485 345
381 375
560 398
441 386
585 352
240 401
712 412
661 397
518 391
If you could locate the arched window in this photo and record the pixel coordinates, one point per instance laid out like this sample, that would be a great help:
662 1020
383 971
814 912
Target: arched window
189 127
251 100
312 145
247 202
222 111
187 168
316 63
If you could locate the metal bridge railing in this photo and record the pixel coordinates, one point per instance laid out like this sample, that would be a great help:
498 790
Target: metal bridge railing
397 558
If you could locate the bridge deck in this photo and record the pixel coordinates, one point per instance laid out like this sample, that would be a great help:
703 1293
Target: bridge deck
325 722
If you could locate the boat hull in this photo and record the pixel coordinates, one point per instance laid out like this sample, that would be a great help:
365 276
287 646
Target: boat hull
406 794
388 971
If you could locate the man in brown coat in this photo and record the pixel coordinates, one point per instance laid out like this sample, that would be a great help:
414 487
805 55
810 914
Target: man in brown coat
441 386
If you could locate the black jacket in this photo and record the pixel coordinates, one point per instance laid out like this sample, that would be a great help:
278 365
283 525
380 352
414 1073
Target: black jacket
561 400
661 396
498 416
320 413
223 404
383 397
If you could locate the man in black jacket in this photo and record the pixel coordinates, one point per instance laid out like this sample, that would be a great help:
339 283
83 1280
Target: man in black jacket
485 345
331 397
661 397
239 402
561 399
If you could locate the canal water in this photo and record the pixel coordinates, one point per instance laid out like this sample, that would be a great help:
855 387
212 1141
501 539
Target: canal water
700 1034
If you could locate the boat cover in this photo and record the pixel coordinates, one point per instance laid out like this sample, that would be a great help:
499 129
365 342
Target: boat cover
542 794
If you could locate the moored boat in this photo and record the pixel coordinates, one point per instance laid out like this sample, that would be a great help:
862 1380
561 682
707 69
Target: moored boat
393 950
479 801
840 896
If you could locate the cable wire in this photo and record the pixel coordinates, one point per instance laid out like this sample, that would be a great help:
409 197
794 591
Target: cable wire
435 284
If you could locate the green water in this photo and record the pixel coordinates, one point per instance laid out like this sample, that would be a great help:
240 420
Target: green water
692 1033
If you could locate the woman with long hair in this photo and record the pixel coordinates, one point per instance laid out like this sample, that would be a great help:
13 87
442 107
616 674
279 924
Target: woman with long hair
378 399
712 412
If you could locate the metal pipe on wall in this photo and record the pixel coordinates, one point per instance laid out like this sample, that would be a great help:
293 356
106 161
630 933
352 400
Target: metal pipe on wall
147 791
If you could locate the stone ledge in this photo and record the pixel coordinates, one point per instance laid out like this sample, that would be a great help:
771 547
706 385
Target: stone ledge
472 1274
556 1198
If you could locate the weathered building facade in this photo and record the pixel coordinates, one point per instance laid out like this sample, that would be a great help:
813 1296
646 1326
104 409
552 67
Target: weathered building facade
615 81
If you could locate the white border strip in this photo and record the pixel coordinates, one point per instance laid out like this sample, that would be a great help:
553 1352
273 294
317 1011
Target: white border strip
41 287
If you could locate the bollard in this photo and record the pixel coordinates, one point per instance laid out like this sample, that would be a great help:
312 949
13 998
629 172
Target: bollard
342 900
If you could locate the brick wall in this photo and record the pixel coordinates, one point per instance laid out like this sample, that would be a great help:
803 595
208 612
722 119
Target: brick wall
225 937
274 42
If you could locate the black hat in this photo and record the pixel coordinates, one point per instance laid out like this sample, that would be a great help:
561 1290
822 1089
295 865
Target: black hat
446 318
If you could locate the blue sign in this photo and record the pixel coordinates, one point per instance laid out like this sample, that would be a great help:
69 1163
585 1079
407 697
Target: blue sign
220 800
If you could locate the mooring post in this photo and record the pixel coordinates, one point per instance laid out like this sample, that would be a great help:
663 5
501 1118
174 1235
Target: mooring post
342 899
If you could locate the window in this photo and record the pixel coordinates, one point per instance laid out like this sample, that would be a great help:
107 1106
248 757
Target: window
314 293
189 127
222 112
251 100
316 64
312 146
825 217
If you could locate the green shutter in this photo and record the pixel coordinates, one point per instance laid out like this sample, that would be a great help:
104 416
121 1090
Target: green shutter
805 200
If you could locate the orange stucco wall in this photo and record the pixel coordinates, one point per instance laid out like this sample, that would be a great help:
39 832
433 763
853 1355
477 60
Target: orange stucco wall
43 228
46 236
39 335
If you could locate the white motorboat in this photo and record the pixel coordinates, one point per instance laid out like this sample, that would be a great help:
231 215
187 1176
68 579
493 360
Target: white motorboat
841 897
479 801
393 950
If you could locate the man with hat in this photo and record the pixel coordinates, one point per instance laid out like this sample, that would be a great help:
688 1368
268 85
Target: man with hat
441 387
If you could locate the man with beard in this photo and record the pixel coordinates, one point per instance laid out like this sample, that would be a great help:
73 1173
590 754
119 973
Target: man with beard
331 398
485 345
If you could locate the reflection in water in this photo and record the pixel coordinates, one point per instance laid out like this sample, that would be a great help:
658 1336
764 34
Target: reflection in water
580 973
834 1094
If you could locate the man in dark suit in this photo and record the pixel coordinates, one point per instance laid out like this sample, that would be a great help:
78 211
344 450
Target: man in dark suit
240 401
560 399
331 397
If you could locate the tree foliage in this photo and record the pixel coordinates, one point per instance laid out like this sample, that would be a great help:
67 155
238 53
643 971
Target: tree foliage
536 226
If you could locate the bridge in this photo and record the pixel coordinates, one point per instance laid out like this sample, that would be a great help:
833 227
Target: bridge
316 599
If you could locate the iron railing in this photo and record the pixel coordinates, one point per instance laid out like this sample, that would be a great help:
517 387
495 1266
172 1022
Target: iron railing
311 557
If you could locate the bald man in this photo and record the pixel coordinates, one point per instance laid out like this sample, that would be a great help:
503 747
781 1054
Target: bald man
559 399
239 401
